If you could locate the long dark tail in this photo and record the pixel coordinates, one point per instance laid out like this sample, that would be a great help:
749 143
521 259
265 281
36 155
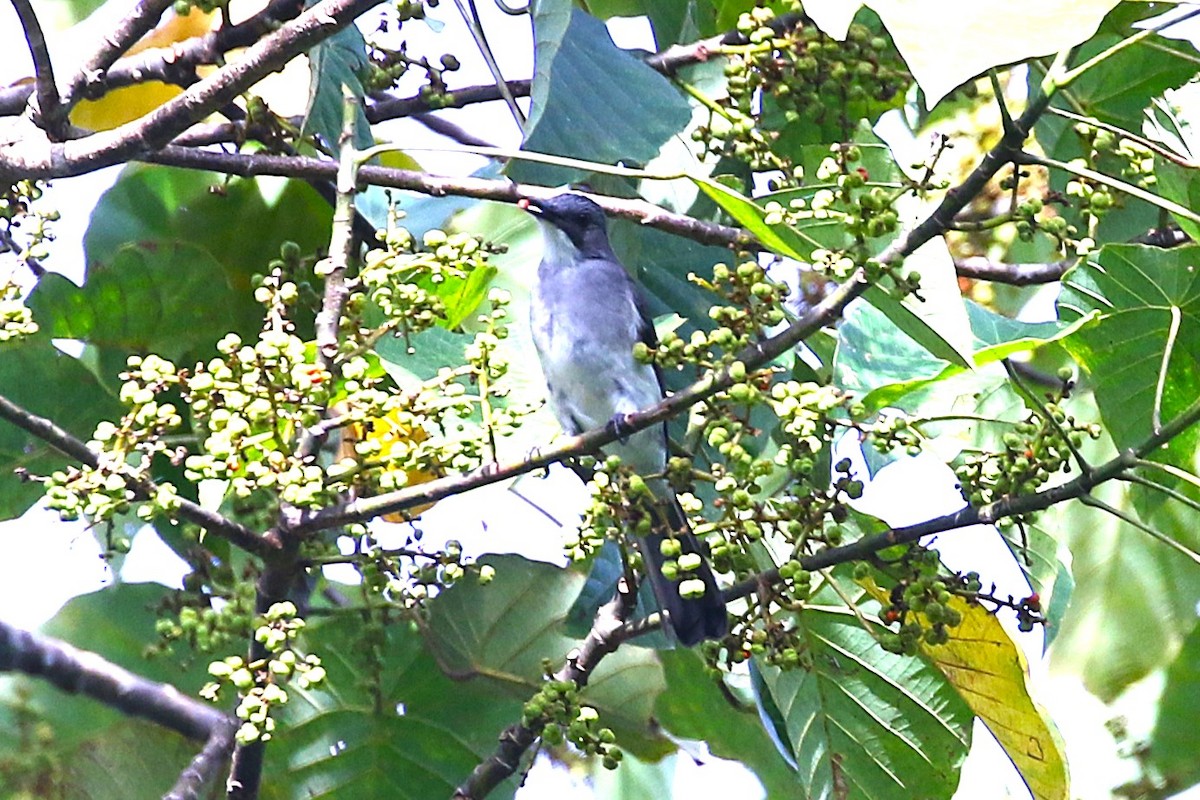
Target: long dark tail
691 619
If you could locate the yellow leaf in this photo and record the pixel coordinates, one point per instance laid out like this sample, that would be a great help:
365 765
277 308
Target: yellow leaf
990 673
392 436
122 105
128 103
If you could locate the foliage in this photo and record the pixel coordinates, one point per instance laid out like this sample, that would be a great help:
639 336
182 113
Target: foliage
290 376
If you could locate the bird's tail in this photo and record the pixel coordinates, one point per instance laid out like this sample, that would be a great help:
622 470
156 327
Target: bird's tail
693 619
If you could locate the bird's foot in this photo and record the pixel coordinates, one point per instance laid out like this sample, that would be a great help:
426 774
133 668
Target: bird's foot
620 427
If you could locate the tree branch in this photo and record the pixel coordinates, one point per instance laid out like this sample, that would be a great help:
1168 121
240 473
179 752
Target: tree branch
984 269
48 112
143 487
166 64
33 159
80 672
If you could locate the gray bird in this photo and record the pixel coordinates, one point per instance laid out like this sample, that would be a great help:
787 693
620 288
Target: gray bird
587 314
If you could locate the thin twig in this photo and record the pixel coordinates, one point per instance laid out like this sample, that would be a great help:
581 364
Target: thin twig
470 16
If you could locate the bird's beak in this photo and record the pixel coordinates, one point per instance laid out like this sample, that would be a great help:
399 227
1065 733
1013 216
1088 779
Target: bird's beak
527 204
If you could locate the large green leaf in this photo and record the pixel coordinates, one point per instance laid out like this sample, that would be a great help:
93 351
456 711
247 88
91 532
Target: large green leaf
39 378
1143 352
587 93
414 734
499 634
241 222
170 299
861 722
693 707
1173 743
1134 598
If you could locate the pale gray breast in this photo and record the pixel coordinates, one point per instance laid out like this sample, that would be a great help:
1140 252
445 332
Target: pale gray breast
585 327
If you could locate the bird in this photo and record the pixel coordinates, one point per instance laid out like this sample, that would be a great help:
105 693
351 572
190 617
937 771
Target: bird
586 315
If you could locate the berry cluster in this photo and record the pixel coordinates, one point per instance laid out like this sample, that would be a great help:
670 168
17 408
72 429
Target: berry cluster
195 620
557 715
921 603
1035 449
16 320
17 211
259 683
785 75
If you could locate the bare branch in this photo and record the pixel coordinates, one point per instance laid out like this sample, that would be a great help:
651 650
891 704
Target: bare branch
80 672
143 487
33 159
984 269
48 113
250 165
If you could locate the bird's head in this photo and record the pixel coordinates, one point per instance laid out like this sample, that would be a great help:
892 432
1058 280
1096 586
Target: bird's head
576 217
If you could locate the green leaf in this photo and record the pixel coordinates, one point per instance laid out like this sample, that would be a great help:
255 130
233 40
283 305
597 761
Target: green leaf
44 381
462 296
586 91
335 65
1134 598
241 222
407 731
1143 351
995 337
861 722
1170 123
171 300
1116 91
419 357
500 633
1173 743
916 328
873 352
778 238
693 707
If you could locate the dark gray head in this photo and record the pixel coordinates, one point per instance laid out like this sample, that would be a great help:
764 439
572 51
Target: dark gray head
579 218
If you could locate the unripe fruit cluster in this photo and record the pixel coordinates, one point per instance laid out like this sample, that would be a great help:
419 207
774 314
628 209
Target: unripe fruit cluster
920 603
260 683
16 320
557 715
1033 451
